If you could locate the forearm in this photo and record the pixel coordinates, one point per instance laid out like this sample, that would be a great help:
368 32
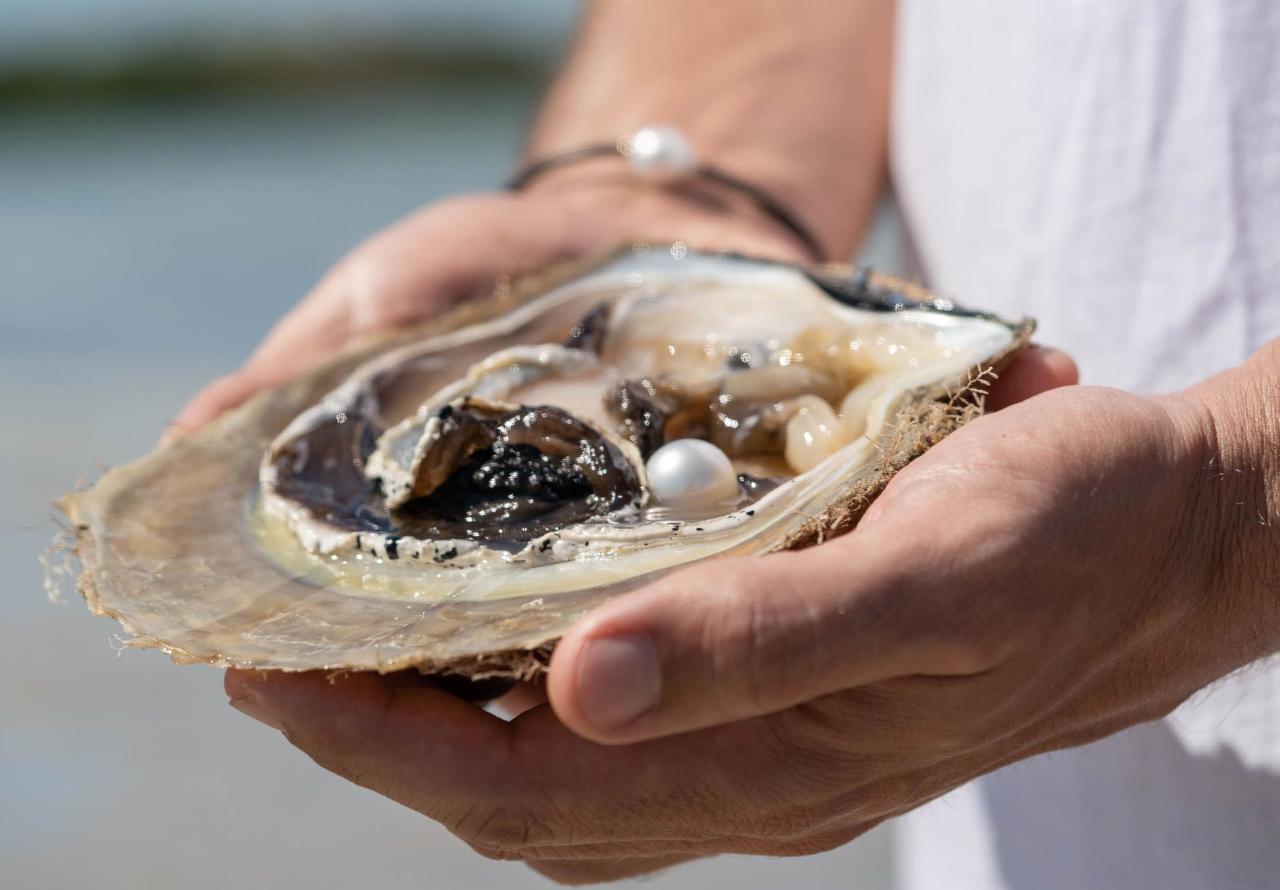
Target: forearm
792 95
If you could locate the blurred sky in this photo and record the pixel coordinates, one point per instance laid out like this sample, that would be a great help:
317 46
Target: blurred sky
87 32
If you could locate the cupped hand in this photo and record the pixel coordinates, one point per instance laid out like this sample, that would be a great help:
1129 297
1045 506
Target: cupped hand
461 248
1023 586
1038 580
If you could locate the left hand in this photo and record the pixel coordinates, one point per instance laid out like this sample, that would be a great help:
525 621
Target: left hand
1038 580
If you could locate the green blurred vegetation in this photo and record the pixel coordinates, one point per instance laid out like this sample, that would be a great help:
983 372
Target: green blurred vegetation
184 73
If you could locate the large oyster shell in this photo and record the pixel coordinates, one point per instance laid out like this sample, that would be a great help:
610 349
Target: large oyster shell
191 555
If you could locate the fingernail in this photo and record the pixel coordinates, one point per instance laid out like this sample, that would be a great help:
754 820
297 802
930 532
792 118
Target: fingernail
619 680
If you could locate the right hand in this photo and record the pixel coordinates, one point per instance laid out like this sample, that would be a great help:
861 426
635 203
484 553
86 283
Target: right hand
460 248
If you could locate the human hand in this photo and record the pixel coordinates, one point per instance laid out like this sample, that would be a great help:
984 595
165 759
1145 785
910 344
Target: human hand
1043 577
462 248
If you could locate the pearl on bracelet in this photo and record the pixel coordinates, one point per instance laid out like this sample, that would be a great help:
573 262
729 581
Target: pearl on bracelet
660 153
691 473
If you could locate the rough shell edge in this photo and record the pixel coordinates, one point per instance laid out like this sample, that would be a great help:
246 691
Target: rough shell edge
925 420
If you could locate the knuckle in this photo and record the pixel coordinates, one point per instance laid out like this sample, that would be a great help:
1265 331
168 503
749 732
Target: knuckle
807 846
343 744
329 752
974 646
496 854
761 627
796 785
956 641
786 824
931 712
223 384
851 738
809 741
501 831
222 393
373 302
756 640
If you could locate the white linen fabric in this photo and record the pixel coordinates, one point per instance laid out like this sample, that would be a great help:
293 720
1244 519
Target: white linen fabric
1113 169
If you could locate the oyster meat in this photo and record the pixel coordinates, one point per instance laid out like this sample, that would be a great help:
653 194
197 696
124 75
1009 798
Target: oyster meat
453 497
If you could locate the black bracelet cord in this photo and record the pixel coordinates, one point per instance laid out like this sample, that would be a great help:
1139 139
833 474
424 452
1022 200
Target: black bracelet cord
769 205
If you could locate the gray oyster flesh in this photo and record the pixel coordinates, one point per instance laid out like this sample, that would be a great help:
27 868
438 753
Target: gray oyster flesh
502 475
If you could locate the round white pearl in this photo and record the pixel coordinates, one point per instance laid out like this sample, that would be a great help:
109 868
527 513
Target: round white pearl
661 153
691 473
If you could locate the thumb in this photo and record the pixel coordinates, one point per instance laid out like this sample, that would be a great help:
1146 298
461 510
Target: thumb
722 641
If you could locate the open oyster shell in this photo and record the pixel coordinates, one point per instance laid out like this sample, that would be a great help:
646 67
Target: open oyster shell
314 527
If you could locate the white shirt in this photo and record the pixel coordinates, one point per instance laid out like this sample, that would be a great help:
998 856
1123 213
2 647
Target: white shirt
1111 167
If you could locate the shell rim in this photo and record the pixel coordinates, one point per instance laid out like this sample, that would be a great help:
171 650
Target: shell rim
927 416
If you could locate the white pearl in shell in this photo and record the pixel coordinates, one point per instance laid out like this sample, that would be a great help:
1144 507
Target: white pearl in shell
691 473
661 153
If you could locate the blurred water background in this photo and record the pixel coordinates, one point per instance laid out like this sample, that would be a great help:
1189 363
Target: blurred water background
173 175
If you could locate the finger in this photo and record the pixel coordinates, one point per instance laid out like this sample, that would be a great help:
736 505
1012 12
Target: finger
573 873
388 282
214 400
1032 371
531 789
524 697
312 332
736 638
413 743
733 639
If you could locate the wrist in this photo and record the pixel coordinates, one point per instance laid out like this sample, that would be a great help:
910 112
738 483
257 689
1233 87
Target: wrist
600 204
750 182
1236 498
